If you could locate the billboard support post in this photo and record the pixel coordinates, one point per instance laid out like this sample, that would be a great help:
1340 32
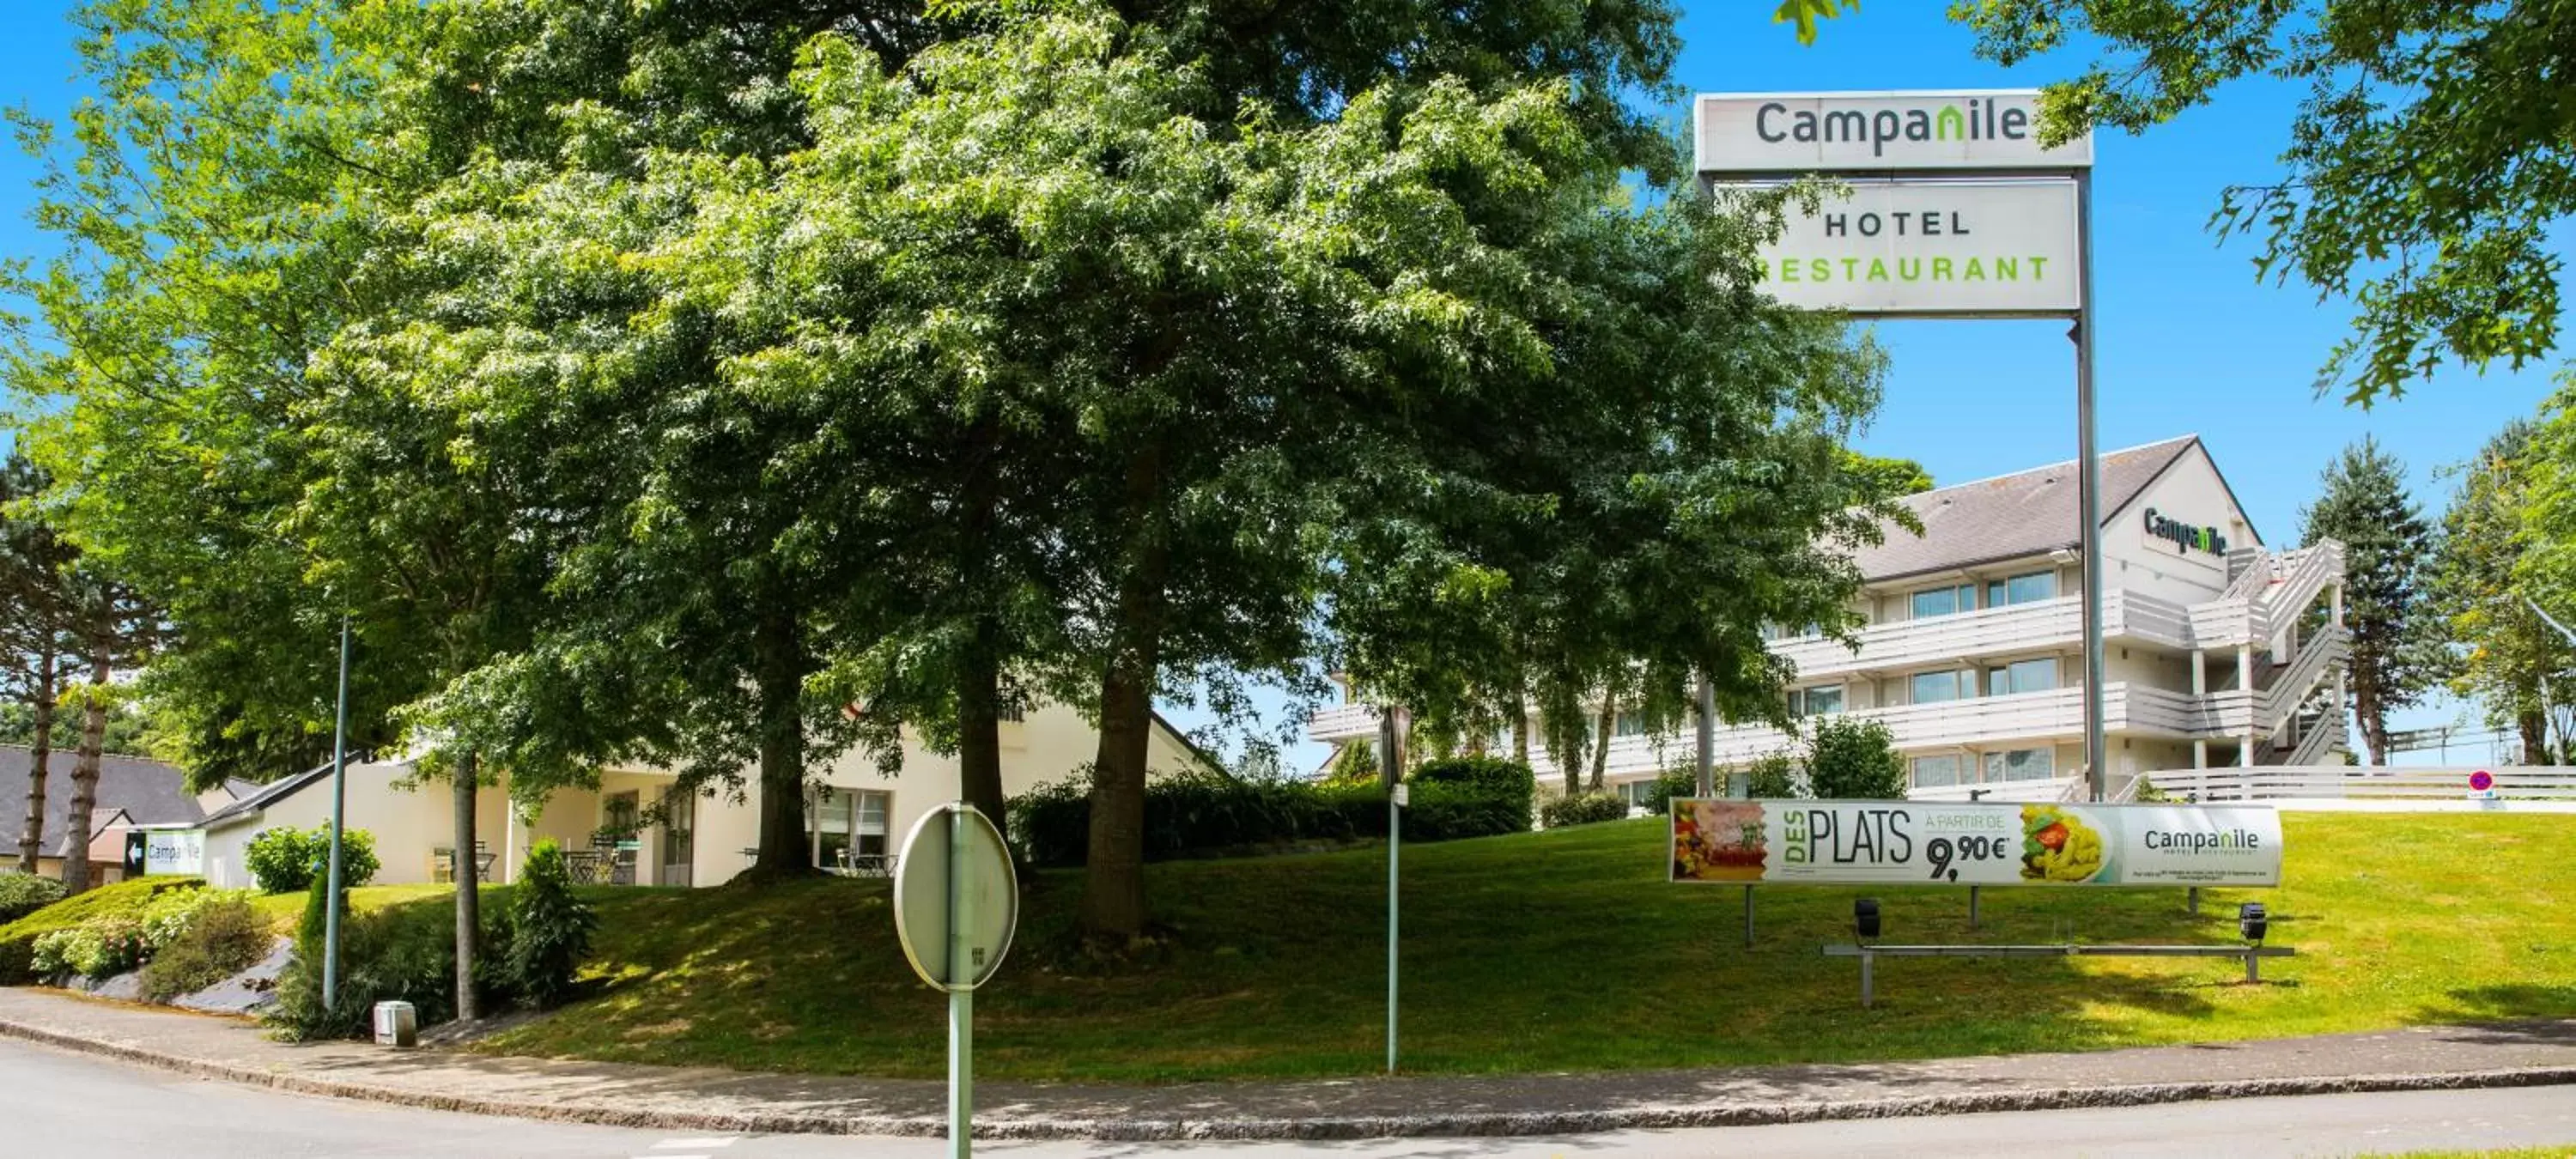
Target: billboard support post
2089 494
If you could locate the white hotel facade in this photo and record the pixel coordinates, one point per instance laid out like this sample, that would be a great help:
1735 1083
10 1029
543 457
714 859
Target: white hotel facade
2216 649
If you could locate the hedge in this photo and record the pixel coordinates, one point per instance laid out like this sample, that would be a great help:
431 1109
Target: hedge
1582 809
1200 815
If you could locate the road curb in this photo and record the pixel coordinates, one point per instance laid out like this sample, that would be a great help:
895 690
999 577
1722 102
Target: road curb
1522 1123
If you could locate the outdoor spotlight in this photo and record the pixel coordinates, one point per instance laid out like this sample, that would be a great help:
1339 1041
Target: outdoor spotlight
2251 921
1865 918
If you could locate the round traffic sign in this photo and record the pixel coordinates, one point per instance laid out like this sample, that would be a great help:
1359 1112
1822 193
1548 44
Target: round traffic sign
956 901
2481 781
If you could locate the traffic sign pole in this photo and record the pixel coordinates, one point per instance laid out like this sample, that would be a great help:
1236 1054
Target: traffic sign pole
961 995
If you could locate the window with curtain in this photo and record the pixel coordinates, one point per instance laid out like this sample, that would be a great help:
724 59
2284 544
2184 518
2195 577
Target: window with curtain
2022 676
1822 700
1945 601
2021 765
1936 772
846 823
1947 684
2021 589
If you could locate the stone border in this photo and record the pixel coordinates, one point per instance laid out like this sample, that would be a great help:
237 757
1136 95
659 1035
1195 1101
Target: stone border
1449 1124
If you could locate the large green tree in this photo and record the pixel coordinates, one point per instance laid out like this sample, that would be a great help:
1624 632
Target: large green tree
2427 168
2388 558
35 574
2509 658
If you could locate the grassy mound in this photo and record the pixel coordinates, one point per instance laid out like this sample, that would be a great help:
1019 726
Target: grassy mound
1567 950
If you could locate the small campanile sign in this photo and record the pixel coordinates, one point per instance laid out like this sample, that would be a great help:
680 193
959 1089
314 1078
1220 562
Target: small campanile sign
1792 133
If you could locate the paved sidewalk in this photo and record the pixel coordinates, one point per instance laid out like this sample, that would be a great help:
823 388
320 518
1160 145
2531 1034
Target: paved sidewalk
688 1099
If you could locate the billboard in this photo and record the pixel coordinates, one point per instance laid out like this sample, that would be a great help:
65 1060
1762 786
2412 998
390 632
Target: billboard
1930 248
1869 132
1933 843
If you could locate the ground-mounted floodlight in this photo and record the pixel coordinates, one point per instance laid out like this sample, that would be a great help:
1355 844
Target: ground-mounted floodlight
2252 922
1865 918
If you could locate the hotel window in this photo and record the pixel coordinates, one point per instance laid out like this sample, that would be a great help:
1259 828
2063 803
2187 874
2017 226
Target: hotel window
2022 589
1629 724
1635 792
2021 765
1947 684
1935 772
2023 676
846 824
1823 700
1945 601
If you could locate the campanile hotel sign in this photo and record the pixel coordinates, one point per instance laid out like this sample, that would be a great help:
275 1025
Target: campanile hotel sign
1954 208
1951 208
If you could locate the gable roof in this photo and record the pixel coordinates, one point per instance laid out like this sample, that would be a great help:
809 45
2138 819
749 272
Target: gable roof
2011 516
146 792
258 797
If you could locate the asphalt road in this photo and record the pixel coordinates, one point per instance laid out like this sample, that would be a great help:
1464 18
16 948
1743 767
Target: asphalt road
54 1103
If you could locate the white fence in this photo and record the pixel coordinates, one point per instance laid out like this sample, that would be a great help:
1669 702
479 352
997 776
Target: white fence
2524 788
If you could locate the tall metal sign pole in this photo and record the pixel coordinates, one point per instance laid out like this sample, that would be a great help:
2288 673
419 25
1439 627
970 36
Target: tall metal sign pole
339 803
1390 734
1953 210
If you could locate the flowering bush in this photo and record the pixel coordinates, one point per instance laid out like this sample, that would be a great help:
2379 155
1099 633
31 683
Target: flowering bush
99 948
167 917
25 893
286 859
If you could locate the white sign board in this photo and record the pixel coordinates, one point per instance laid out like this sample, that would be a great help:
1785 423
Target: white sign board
181 851
988 894
1931 248
1868 132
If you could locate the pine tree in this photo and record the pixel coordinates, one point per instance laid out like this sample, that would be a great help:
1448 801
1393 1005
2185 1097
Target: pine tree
2388 554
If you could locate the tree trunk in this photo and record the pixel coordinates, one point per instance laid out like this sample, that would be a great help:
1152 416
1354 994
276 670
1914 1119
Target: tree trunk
2533 724
979 670
1520 725
469 898
40 751
2367 712
85 773
1601 738
1113 886
979 727
784 849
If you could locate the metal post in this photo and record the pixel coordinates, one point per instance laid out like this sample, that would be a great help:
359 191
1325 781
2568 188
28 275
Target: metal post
961 1001
339 802
2253 966
1394 840
1748 917
2089 491
1868 984
1972 907
2195 899
1707 736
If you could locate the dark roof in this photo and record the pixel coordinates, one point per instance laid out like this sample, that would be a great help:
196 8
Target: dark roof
148 792
251 798
2011 516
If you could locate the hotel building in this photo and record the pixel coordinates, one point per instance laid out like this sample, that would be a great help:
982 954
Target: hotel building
2216 649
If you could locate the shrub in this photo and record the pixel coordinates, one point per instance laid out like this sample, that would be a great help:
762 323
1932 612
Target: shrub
285 860
223 937
25 893
102 947
403 953
1774 776
167 916
18 938
1852 759
1199 814
1582 809
1675 783
550 929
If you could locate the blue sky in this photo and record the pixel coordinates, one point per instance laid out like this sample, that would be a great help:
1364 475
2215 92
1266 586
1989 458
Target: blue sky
2189 341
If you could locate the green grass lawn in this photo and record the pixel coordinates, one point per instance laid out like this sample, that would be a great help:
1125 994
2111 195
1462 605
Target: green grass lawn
1568 950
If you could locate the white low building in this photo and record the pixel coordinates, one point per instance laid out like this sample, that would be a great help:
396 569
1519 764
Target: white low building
2216 650
633 830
